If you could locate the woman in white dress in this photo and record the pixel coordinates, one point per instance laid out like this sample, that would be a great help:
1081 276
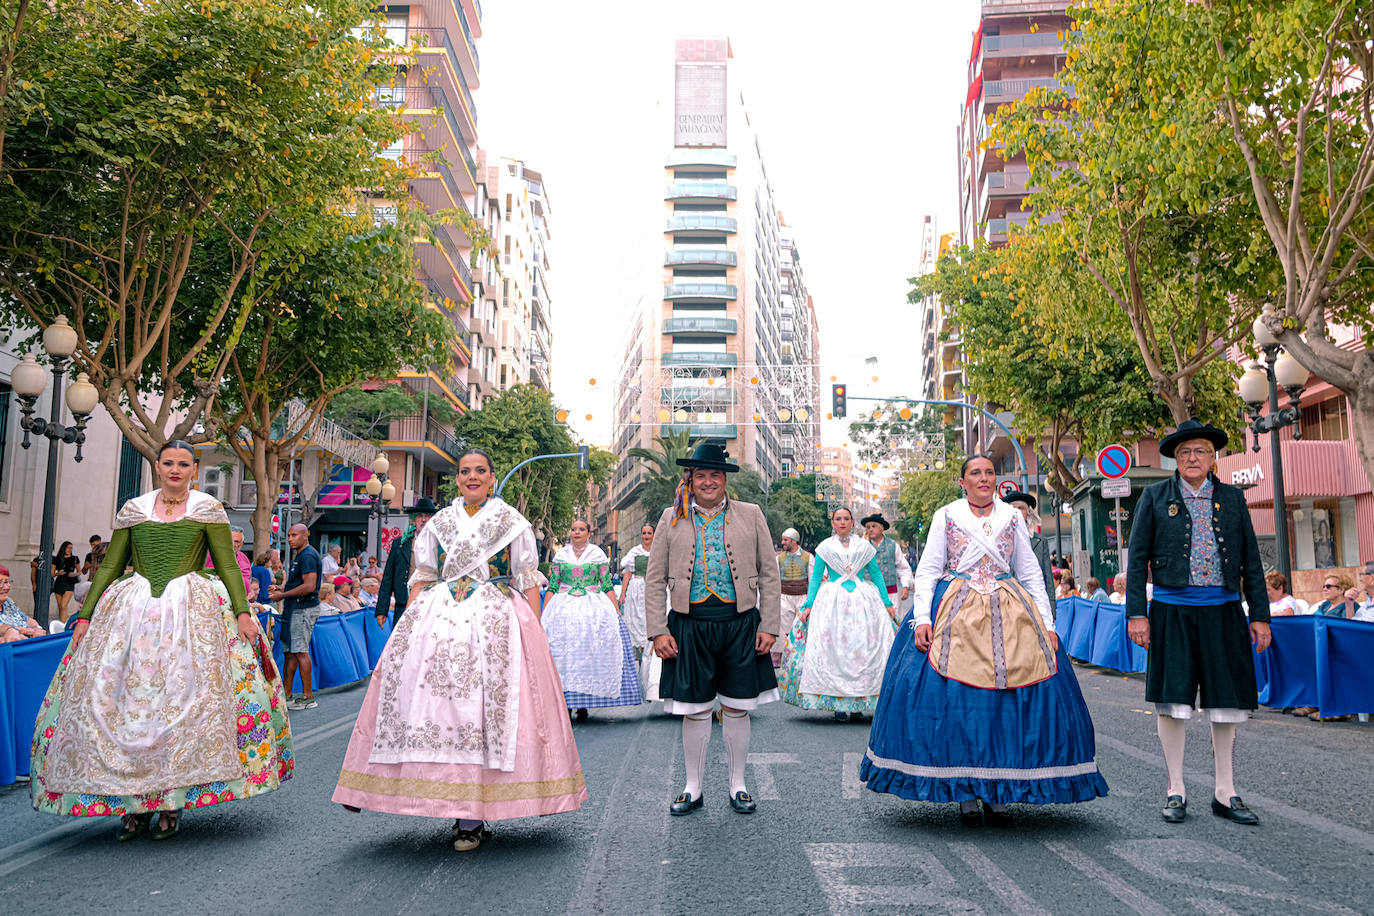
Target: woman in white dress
463 717
590 642
632 569
838 646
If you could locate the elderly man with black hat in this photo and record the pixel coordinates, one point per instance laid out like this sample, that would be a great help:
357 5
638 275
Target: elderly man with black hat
396 573
713 559
891 559
1194 537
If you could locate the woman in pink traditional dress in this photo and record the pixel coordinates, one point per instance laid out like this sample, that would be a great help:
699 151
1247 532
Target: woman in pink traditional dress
464 717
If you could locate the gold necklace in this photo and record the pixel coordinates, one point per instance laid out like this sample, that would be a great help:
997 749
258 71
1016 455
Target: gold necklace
169 505
472 510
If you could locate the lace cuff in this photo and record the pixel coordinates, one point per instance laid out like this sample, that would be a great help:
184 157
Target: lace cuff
529 578
423 573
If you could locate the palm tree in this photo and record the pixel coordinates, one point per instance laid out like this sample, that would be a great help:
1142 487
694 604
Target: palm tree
663 471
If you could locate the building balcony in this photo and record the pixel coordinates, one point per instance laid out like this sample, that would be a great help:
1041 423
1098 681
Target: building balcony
700 191
700 358
709 158
999 230
996 92
700 326
1030 44
431 102
706 257
708 395
1014 182
430 43
707 430
417 435
698 224
709 292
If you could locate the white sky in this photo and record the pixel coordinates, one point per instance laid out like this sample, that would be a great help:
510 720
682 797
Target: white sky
856 105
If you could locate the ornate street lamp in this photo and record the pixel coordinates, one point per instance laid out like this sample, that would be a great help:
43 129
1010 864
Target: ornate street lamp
28 382
1261 382
382 491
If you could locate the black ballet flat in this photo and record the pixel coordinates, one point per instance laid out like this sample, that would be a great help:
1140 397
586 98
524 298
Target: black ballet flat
996 818
743 803
685 804
1175 810
1235 812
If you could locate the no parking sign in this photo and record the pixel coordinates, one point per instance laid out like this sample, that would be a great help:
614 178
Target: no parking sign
1113 461
1006 488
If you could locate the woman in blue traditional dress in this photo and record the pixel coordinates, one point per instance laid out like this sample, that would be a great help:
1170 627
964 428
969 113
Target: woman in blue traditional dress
589 640
838 646
983 704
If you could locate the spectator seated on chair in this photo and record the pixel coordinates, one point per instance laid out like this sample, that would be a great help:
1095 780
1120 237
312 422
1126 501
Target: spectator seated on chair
1281 601
14 623
1334 587
1094 589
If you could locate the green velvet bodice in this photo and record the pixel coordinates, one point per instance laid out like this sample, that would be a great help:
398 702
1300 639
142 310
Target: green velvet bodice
163 551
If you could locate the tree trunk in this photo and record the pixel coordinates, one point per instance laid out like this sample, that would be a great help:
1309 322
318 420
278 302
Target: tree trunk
265 501
1362 413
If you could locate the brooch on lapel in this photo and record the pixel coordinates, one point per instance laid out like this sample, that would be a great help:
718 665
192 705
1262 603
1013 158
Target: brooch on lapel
1173 509
1216 506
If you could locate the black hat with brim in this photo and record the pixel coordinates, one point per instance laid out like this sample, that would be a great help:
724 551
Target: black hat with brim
423 506
1016 496
710 456
876 517
1192 429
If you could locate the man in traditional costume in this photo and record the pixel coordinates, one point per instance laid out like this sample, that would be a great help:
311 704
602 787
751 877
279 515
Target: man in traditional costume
1194 537
713 560
794 569
891 559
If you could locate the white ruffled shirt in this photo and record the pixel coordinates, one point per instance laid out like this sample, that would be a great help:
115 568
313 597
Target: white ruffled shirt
980 553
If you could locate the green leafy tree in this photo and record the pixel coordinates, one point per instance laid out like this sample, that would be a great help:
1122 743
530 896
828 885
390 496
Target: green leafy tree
1073 385
519 424
1294 84
353 311
663 472
368 412
167 168
1150 222
920 495
793 504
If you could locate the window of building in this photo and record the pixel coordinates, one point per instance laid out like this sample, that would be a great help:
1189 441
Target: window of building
130 482
6 398
1327 420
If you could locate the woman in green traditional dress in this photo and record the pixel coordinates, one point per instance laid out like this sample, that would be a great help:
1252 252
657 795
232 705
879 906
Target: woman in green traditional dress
162 704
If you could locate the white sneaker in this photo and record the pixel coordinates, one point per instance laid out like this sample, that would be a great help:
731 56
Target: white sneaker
296 704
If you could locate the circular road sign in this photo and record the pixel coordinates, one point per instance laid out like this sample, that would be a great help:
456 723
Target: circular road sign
276 524
1113 461
1006 488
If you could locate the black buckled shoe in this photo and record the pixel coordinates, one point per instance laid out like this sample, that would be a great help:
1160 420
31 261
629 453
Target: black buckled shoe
743 803
1236 812
1175 810
685 804
996 818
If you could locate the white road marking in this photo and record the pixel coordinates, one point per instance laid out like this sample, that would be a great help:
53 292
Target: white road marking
937 892
1107 880
850 787
999 882
765 786
1263 804
1188 862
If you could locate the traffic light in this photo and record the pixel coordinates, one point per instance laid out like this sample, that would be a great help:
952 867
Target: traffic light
837 401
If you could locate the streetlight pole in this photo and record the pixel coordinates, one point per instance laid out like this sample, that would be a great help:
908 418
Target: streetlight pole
1258 381
27 379
382 491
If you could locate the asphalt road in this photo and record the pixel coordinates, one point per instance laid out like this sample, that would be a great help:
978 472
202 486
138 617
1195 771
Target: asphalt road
819 842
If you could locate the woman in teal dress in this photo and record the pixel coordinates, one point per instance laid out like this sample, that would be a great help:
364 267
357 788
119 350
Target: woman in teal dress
161 703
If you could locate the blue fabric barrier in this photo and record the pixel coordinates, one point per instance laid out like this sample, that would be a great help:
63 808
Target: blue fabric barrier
1345 678
375 637
1291 669
26 670
1095 632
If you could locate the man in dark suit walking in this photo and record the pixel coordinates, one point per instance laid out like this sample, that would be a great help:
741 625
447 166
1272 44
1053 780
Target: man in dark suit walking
396 574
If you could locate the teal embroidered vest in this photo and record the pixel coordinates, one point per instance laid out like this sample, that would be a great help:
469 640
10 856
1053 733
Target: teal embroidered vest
711 567
887 562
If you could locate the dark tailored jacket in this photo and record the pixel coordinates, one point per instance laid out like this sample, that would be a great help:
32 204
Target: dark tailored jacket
1161 544
396 577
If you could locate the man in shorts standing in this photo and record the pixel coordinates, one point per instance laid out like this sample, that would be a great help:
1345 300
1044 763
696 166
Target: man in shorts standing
300 604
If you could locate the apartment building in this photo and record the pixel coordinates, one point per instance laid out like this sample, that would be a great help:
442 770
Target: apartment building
729 348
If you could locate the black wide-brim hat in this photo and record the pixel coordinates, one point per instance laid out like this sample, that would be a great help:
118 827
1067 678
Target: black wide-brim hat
876 517
423 506
710 456
1192 429
1016 496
